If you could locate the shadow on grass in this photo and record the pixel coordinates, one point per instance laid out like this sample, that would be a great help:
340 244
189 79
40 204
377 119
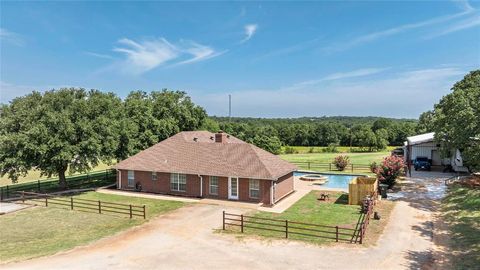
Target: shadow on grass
342 199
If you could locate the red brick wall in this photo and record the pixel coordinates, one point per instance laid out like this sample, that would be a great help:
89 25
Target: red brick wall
162 185
283 186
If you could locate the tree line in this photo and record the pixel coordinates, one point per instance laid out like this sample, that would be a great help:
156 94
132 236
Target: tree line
369 133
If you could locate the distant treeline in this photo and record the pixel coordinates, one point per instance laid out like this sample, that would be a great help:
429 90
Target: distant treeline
371 133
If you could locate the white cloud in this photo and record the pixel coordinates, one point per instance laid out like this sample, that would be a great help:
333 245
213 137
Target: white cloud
11 37
340 75
99 55
142 56
462 25
402 94
392 31
250 30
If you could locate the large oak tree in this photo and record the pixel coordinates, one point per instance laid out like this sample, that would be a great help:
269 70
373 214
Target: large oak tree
59 130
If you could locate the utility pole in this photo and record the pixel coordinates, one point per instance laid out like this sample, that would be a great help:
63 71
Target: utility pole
229 107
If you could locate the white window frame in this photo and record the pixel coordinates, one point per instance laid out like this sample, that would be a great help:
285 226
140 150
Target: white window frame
154 176
210 185
177 181
131 178
254 185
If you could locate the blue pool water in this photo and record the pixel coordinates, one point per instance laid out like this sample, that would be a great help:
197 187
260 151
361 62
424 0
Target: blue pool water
334 180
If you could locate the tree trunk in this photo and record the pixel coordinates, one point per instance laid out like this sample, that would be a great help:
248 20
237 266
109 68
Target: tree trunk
62 181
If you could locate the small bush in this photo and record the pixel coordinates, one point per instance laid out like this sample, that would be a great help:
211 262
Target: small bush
290 150
373 167
341 162
331 148
390 169
311 150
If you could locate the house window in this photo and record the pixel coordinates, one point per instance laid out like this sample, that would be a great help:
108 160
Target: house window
213 185
178 182
131 178
254 188
154 176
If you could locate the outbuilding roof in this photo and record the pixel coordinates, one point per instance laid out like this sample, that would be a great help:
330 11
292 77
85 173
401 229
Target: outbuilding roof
421 138
197 152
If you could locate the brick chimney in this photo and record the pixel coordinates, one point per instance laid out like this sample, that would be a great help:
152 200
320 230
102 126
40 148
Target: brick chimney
220 137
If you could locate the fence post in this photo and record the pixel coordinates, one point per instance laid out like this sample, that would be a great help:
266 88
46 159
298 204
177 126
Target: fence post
352 167
130 211
1 193
223 223
71 203
361 233
308 165
46 199
144 212
241 222
23 196
336 233
99 207
286 228
38 186
8 193
330 166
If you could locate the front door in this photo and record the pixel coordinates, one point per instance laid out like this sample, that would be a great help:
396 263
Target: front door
233 188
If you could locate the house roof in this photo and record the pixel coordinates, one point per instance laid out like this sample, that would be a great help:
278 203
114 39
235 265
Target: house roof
196 152
421 138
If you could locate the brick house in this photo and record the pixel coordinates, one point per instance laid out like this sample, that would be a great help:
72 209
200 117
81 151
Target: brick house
208 165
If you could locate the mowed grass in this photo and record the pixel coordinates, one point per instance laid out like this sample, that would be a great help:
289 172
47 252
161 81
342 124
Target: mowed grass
309 209
355 158
461 211
41 231
34 175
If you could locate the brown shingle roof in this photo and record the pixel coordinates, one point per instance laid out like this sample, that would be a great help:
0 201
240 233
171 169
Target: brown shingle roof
182 154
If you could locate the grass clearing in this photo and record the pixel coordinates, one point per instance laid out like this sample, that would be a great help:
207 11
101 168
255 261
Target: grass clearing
461 211
34 175
41 231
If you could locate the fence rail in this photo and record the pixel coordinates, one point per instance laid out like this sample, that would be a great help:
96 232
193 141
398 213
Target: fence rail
312 165
93 179
288 228
83 204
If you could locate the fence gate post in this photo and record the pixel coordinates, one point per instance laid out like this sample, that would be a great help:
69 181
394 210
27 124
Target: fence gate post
241 222
336 233
99 207
130 211
223 223
286 228
144 212
71 203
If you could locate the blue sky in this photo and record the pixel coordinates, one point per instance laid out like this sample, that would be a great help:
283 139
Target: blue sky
276 59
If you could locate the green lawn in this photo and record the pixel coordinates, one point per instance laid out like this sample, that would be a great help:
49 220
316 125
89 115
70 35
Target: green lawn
34 175
355 158
43 231
321 149
461 211
309 209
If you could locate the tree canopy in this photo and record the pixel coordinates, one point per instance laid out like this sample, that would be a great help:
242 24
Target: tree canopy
456 119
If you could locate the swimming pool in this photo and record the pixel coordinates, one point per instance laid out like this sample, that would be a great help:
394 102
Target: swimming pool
334 180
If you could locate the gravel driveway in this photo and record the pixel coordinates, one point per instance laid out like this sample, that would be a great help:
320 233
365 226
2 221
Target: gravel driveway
185 239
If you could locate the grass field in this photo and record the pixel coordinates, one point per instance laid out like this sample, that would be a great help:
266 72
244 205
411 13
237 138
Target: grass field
461 211
309 209
43 231
322 149
355 158
34 175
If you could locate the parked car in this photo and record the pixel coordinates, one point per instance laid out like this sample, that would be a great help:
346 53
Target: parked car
422 163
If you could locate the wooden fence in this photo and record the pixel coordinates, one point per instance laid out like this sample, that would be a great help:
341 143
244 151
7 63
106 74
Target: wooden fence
360 187
365 219
319 166
83 204
288 228
93 179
